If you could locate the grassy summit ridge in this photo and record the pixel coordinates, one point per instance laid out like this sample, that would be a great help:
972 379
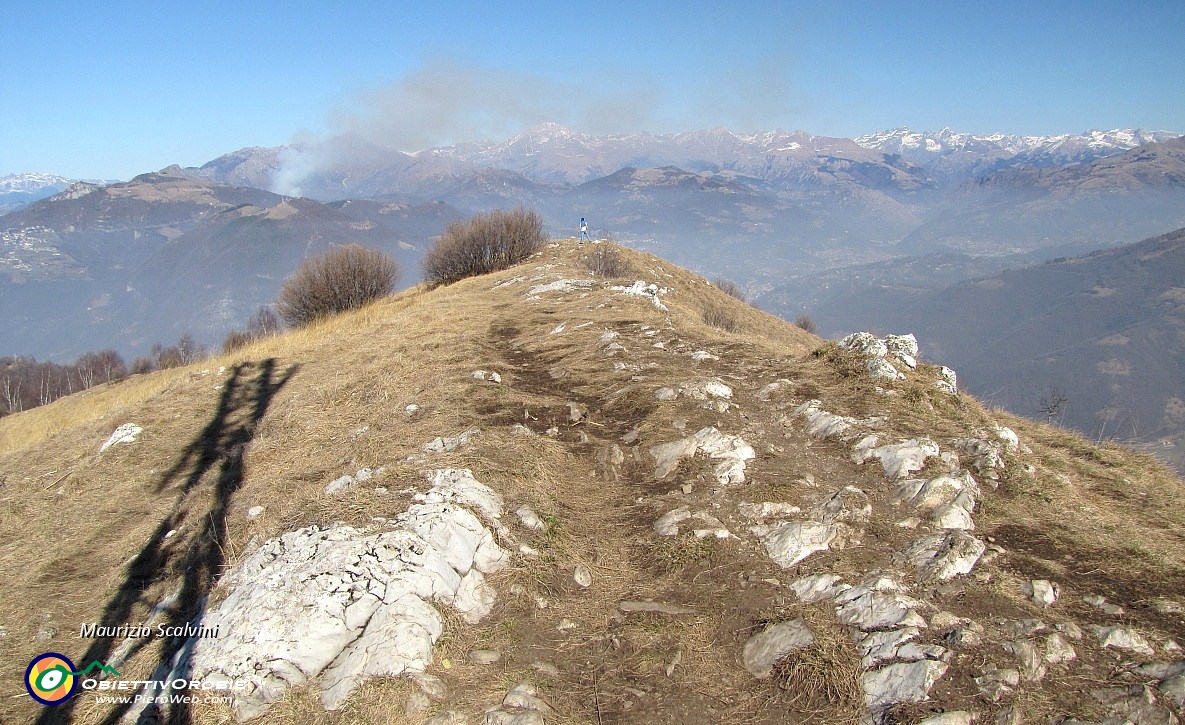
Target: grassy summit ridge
88 537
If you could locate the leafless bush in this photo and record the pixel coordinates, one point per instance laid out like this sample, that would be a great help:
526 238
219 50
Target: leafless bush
721 318
344 278
265 323
236 340
164 358
485 243
804 322
606 261
1053 404
729 288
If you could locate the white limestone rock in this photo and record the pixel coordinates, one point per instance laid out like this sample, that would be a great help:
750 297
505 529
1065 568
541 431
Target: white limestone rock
126 433
1124 638
705 389
882 369
901 682
903 348
765 649
945 555
847 504
528 518
767 391
560 286
731 450
1030 660
817 587
443 445
820 423
1058 650
1136 704
1042 592
789 542
343 605
897 459
877 647
640 288
1100 603
582 575
929 494
1008 437
1174 688
767 509
668 523
864 343
878 603
996 683
952 516
486 375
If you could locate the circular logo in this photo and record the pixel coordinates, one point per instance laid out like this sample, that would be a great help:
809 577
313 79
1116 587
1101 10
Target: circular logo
50 678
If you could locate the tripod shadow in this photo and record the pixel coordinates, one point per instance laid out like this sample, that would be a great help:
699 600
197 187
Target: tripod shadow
196 558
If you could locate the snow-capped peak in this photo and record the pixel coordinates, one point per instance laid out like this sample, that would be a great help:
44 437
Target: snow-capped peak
907 141
31 182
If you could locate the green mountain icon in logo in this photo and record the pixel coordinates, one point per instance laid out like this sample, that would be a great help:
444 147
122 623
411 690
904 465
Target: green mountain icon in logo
103 669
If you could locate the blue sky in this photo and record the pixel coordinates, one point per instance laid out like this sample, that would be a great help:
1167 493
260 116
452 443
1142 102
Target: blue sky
113 89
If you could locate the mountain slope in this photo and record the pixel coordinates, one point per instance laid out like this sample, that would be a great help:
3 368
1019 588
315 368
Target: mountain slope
149 260
1107 329
641 518
1121 198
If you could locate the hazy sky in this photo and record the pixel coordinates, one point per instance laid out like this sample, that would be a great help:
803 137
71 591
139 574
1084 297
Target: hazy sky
112 89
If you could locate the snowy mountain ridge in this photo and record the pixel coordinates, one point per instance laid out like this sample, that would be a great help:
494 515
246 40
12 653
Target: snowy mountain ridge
907 141
31 182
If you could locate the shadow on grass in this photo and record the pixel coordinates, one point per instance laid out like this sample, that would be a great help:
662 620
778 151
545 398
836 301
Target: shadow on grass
215 459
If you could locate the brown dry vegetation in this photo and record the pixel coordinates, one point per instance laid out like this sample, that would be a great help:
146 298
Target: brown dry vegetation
303 408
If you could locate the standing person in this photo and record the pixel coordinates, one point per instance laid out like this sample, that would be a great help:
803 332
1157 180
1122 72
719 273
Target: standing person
584 231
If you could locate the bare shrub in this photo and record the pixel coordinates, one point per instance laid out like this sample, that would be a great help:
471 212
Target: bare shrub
606 261
190 349
721 318
1053 404
265 323
237 340
729 288
486 243
142 365
344 278
165 358
805 323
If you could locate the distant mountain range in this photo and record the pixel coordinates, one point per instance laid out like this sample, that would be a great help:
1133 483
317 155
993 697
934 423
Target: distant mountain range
805 199
128 264
897 161
795 219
